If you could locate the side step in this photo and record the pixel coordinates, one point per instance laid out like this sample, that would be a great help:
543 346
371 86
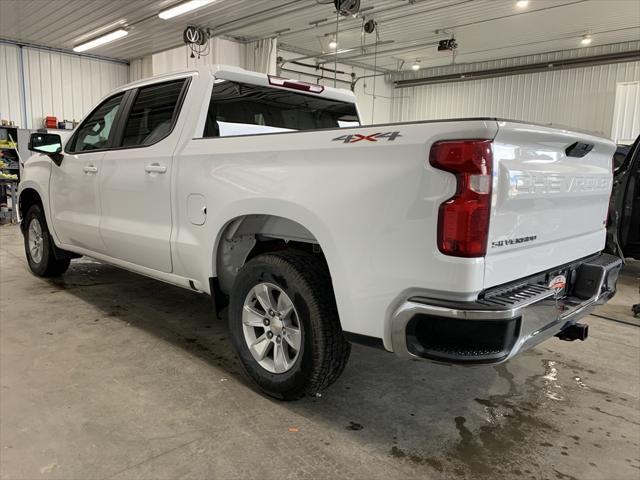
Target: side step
515 296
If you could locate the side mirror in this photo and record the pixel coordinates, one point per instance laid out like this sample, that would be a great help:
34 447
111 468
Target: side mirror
48 143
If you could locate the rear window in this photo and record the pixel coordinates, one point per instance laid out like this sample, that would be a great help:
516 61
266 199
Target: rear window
243 109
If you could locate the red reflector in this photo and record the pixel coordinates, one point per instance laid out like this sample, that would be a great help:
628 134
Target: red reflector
463 221
295 84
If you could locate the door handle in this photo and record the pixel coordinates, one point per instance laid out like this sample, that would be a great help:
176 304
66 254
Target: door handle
155 168
90 169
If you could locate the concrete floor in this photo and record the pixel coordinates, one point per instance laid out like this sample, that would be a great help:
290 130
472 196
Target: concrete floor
106 374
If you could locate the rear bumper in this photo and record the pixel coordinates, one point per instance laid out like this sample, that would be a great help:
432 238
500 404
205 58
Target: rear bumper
507 320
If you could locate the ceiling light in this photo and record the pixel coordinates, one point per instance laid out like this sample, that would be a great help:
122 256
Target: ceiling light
586 40
522 3
183 8
96 42
333 44
415 66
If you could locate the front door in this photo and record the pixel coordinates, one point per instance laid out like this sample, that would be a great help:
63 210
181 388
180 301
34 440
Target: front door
135 180
74 196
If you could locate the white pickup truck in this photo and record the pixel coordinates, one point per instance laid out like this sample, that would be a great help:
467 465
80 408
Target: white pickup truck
459 241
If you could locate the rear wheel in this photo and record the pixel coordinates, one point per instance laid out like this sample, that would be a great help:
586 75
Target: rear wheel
38 245
284 324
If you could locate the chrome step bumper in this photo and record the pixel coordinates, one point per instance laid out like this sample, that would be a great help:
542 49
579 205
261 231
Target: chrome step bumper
506 321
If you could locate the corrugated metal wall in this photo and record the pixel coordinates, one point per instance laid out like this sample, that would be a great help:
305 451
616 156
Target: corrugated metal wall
626 114
259 56
10 84
140 68
583 97
58 84
178 59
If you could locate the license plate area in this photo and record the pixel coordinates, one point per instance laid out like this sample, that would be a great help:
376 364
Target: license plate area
559 281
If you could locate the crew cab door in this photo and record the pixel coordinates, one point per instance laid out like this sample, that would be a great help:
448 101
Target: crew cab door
135 181
74 197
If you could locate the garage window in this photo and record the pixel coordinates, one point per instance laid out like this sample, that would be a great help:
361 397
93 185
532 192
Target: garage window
152 114
243 109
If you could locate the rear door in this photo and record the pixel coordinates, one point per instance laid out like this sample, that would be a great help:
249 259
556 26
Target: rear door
135 181
551 191
629 205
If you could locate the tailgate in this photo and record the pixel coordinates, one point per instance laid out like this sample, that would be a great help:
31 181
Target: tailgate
549 204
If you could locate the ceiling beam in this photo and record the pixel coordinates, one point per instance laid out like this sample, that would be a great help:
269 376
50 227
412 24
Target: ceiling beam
552 65
308 54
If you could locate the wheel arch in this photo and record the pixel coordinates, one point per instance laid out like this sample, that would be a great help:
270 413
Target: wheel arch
29 196
245 236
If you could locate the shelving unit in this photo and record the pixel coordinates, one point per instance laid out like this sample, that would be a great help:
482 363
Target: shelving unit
9 174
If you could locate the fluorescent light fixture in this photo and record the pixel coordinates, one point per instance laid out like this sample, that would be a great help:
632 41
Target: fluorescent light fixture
96 42
586 40
416 66
333 44
183 8
522 3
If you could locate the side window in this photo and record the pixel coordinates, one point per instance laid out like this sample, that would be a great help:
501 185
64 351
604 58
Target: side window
152 114
95 131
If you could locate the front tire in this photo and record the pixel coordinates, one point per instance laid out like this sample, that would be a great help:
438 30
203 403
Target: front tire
38 245
284 324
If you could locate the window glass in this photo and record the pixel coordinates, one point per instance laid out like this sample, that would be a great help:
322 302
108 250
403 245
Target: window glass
242 109
152 114
94 132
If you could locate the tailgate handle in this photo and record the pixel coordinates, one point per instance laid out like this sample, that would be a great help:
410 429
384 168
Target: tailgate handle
578 149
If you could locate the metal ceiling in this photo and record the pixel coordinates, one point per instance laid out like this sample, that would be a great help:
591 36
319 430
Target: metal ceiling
485 29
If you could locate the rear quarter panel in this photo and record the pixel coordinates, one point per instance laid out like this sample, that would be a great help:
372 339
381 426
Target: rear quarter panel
372 205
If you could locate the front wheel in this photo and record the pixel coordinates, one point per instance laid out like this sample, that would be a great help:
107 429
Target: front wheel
284 324
38 245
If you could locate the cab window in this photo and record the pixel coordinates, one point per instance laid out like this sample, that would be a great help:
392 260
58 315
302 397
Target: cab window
96 131
244 109
152 114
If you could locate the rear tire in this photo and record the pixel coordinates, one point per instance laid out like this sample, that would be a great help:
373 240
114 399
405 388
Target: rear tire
297 288
38 245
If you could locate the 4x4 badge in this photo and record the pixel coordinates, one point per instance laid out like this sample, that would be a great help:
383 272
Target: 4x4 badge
374 137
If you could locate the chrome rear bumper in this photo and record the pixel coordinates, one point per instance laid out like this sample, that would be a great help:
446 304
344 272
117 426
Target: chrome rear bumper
506 321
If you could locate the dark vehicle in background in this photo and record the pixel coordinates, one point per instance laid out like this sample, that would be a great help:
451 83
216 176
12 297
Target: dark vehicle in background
620 156
623 236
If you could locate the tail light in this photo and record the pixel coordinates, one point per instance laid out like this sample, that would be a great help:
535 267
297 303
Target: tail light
463 220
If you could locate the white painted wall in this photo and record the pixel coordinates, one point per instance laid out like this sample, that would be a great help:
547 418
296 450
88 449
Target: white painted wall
258 56
140 68
10 84
66 86
59 84
626 113
582 98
